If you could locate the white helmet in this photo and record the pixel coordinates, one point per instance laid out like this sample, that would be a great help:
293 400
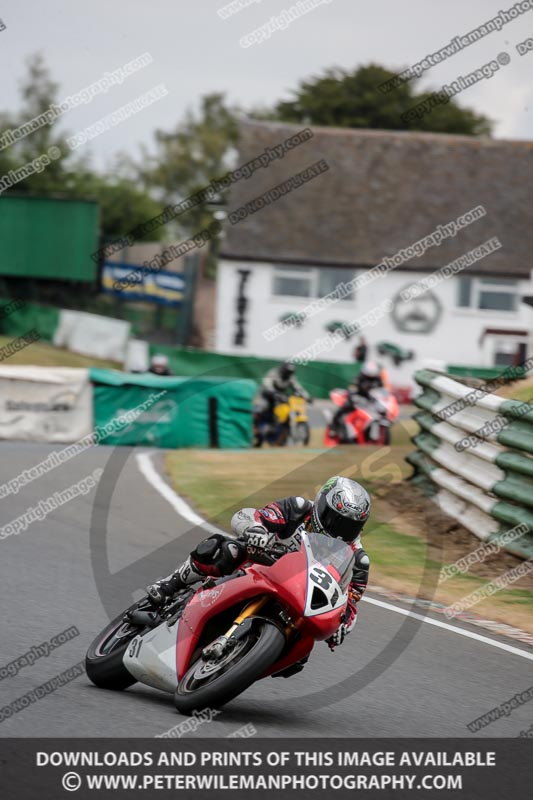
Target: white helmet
370 370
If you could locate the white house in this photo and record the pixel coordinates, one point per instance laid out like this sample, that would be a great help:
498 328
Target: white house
450 214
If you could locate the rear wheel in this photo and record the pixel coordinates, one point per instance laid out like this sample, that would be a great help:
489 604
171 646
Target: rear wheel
385 435
211 684
282 436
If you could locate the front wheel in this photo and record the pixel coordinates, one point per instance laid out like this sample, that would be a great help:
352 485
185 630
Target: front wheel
302 433
211 684
103 662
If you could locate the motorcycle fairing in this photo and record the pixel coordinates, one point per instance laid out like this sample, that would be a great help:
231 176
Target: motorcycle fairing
160 657
151 658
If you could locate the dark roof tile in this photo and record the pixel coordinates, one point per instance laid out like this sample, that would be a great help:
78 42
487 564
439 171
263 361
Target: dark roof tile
384 191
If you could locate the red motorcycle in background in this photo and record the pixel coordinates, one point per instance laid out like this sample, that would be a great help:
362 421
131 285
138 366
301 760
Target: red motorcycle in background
370 421
208 645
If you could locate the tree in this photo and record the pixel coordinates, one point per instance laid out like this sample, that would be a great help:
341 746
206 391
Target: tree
353 100
190 157
38 92
124 204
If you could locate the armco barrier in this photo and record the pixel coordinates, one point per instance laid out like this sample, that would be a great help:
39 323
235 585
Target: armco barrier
474 456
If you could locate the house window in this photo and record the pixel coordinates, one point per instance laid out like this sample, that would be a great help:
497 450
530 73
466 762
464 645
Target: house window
488 294
294 282
331 277
311 282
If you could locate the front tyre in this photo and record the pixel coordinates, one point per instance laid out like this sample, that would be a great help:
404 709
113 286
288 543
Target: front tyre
211 684
303 433
103 662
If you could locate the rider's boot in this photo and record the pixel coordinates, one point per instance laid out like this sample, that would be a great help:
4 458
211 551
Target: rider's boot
187 574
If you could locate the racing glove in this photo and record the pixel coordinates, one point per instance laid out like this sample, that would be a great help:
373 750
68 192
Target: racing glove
349 620
257 537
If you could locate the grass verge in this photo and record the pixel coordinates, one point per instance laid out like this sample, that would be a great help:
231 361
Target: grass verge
521 390
43 354
406 555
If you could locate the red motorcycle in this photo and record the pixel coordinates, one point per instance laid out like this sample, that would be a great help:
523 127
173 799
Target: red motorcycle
208 645
370 421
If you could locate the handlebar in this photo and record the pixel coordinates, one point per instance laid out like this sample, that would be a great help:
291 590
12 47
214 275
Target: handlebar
277 549
270 553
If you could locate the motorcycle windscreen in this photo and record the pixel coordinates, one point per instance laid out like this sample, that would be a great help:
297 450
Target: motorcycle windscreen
335 553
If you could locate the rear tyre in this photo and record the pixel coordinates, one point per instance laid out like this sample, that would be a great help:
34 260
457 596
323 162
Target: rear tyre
208 685
385 435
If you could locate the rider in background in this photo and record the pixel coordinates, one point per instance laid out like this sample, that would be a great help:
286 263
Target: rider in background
278 384
360 352
369 378
159 365
340 509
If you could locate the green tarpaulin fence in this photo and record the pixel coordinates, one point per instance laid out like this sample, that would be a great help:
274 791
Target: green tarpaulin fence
482 373
180 412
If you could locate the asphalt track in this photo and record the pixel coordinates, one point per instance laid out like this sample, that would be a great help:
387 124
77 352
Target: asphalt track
395 676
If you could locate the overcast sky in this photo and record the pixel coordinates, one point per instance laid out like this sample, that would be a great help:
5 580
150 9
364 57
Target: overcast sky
195 51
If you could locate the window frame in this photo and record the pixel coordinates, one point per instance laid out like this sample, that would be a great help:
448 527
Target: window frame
487 285
290 271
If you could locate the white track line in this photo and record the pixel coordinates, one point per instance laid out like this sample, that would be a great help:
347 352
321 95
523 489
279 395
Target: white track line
144 462
460 631
182 508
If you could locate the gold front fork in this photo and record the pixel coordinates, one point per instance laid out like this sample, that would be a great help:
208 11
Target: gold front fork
251 609
248 611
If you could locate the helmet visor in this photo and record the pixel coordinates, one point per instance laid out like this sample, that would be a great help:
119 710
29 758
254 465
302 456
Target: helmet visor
336 524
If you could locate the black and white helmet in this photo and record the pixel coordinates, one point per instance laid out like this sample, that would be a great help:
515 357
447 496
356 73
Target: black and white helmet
286 370
341 508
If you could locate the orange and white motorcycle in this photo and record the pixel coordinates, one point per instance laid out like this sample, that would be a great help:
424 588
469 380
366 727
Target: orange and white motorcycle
369 422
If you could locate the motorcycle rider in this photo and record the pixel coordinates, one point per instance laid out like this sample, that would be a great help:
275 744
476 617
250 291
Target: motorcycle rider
277 385
340 510
159 365
369 378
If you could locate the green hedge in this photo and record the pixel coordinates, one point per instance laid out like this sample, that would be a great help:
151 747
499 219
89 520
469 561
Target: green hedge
32 315
318 377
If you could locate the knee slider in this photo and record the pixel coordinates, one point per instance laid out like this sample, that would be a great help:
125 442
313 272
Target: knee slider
233 552
207 551
230 555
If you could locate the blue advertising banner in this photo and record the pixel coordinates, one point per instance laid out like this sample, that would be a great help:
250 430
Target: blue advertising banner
134 282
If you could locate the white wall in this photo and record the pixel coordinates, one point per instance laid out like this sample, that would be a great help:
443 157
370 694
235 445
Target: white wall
455 339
